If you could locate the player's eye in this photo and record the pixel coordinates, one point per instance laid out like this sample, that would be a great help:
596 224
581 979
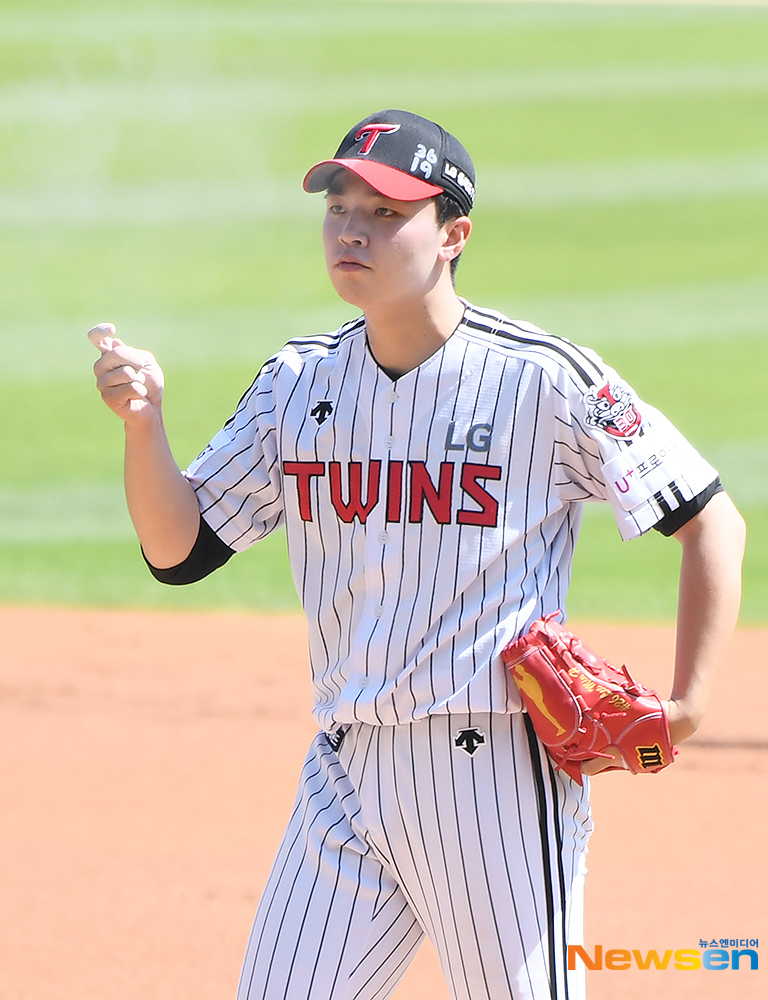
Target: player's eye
384 212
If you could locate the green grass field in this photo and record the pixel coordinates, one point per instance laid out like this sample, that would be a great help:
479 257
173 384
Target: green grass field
150 170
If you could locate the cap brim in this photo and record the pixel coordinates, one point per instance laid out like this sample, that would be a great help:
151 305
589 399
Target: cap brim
389 181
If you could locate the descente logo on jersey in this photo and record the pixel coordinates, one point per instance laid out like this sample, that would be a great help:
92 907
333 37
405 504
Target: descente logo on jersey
406 489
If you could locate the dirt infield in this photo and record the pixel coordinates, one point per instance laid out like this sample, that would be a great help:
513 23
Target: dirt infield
148 764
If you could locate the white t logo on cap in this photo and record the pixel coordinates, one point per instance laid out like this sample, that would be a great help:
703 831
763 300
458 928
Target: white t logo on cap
373 131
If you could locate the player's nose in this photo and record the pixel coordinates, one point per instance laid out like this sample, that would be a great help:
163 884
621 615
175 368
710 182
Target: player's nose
353 232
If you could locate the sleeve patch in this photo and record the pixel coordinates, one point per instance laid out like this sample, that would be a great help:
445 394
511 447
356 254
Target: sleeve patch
641 471
612 409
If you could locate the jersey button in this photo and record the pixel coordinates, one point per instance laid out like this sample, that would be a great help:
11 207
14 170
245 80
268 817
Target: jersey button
393 396
383 537
389 441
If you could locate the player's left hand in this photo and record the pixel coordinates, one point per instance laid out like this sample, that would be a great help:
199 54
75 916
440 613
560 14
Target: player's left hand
598 764
682 724
683 720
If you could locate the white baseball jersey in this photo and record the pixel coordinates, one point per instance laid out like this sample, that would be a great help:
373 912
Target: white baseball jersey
432 518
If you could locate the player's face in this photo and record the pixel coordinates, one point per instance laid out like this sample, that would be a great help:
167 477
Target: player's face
379 251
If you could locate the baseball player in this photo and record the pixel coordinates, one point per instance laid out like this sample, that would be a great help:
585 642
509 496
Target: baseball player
429 461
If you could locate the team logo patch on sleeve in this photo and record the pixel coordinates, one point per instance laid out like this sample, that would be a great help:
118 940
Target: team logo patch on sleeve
612 409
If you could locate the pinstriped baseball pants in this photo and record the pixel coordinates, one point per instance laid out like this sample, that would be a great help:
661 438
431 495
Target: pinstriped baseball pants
402 833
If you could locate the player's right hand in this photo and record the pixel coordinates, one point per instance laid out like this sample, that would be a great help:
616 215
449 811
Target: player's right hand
130 381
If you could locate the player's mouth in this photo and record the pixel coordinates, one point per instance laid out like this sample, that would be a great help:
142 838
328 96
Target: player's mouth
350 264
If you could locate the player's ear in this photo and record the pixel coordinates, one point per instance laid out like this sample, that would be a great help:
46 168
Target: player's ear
456 234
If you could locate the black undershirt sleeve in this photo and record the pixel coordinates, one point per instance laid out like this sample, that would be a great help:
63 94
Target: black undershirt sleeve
671 522
208 554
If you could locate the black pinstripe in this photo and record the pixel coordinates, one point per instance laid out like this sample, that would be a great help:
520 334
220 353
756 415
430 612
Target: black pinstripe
548 867
549 822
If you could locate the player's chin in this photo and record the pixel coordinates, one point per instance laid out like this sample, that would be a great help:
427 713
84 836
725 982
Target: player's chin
350 286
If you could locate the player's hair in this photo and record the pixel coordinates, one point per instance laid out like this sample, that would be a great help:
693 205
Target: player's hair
448 209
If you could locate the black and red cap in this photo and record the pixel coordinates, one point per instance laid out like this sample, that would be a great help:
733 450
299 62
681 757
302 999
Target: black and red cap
403 156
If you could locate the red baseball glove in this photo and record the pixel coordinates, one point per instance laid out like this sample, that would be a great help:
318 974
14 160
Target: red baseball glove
581 706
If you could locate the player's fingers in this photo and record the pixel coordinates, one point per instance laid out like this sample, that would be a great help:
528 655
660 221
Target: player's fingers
118 397
124 374
598 764
103 336
120 356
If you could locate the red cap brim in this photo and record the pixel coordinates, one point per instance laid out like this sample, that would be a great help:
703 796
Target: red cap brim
389 181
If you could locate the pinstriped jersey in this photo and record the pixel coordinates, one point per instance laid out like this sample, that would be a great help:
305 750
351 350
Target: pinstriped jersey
432 518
